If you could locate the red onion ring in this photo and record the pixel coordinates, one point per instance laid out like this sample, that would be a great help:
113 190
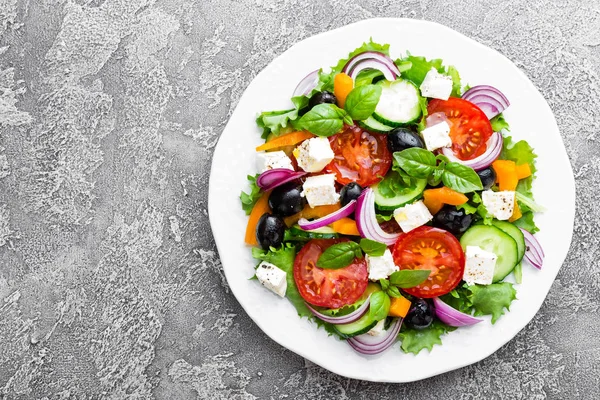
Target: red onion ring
489 99
371 55
371 345
372 64
534 252
366 220
494 148
345 319
343 212
451 316
276 177
307 84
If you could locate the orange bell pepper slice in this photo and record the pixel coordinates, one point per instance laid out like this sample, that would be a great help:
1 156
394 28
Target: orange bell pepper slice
399 307
261 207
523 171
288 139
506 174
516 213
311 213
435 199
342 86
345 226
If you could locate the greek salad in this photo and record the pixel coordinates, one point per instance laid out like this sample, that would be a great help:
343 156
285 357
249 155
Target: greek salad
391 203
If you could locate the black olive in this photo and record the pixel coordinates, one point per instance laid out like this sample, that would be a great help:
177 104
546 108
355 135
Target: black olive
488 177
322 98
350 192
420 315
286 200
269 231
403 138
453 220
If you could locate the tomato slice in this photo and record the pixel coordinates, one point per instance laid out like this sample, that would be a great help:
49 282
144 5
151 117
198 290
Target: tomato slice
331 288
470 128
433 249
360 156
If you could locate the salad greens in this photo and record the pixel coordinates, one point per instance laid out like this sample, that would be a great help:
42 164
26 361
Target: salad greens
249 199
414 340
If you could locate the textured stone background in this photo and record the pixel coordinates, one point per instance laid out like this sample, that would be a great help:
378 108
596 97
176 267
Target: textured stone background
110 284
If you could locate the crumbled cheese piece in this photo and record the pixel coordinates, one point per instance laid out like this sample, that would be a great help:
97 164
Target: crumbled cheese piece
377 329
381 267
412 216
272 160
314 154
479 266
272 277
437 136
436 85
320 190
500 204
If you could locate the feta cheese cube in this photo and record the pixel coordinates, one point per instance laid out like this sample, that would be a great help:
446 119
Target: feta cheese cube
479 266
271 277
500 204
377 329
412 216
320 190
381 267
271 160
314 154
436 85
437 136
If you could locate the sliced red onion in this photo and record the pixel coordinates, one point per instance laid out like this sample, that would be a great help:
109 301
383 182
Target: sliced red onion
371 55
435 118
276 177
307 84
534 252
489 99
451 316
344 319
366 220
494 148
363 65
371 345
343 212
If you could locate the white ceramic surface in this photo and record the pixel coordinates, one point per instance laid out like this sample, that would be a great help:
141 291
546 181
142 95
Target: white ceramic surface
530 118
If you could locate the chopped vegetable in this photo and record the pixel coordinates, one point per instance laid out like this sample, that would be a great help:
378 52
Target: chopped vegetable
506 174
435 199
345 226
399 307
342 86
311 212
261 207
523 171
289 139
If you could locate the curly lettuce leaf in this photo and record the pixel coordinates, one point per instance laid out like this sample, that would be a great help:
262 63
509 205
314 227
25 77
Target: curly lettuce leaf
276 122
492 299
459 299
249 199
415 68
415 340
499 123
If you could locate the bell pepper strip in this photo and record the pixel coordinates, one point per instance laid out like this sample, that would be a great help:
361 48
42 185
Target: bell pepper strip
311 213
261 207
345 226
523 171
516 213
288 139
399 307
506 174
435 199
342 86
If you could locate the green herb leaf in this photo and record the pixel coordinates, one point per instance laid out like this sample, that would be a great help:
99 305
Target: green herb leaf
416 162
492 299
408 278
414 340
366 77
393 291
385 284
436 177
362 100
339 255
380 306
249 199
461 178
323 120
372 247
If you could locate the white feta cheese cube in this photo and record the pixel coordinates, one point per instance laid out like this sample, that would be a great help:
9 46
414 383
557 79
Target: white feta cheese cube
479 266
381 267
320 190
436 85
314 154
437 136
272 277
412 216
500 204
271 160
377 329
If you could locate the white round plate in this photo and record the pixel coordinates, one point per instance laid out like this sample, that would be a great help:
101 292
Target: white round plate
530 118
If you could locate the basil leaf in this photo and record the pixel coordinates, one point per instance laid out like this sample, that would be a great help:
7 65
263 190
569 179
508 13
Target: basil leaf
372 247
348 120
408 278
339 255
380 306
362 100
323 120
393 291
416 162
461 178
385 284
436 177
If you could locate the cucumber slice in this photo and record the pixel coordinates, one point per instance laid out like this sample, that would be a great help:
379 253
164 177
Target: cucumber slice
297 234
490 238
513 232
387 199
399 103
372 125
362 325
338 312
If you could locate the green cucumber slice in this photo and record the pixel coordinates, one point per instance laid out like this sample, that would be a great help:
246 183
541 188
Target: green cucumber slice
386 202
362 325
372 125
513 232
399 103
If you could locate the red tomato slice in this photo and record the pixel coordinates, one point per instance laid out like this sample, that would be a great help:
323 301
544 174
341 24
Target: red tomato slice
433 249
360 156
331 288
470 128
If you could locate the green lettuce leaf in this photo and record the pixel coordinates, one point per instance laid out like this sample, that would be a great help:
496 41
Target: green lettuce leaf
249 199
499 123
492 299
415 340
276 122
420 66
526 222
459 299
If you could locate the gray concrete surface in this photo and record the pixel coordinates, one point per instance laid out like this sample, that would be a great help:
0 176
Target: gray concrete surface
110 284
